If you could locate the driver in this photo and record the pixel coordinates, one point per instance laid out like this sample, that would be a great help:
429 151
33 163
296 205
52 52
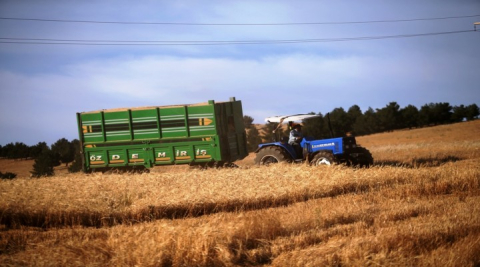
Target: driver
295 139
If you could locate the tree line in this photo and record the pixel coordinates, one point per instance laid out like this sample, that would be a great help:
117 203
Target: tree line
339 121
46 158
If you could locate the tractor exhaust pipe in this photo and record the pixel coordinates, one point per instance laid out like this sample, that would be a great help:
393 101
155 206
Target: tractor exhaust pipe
329 125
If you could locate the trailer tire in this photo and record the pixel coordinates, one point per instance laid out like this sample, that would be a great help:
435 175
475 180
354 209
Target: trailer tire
322 158
270 155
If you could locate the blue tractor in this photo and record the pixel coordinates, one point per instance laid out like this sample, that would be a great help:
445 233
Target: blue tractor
340 150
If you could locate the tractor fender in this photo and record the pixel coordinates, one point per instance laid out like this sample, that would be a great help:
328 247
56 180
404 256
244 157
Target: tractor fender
288 150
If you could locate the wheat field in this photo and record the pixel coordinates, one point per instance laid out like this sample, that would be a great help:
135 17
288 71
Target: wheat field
419 205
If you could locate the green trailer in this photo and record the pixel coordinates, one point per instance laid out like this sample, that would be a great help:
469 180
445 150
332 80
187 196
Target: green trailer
205 133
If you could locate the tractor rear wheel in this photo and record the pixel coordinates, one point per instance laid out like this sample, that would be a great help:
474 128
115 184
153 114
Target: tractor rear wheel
365 159
322 158
271 154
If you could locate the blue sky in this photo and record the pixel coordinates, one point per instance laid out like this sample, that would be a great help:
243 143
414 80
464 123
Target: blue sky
43 86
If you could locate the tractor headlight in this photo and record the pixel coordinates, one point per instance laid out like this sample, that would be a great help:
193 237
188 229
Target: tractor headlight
350 146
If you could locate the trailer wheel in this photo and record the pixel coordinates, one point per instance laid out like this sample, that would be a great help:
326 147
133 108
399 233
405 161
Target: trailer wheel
270 155
322 158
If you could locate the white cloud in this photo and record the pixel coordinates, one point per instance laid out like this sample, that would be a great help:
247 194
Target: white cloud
174 77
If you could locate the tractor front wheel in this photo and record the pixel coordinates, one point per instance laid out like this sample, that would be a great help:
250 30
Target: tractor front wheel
322 158
271 154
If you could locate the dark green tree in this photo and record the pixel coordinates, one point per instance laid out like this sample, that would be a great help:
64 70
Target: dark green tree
65 150
409 117
367 124
472 112
315 127
389 117
253 138
77 164
425 117
6 150
44 164
340 122
18 150
247 121
253 135
441 113
354 113
435 113
22 150
37 149
459 113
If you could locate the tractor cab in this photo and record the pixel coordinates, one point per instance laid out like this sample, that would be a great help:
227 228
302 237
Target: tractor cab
291 121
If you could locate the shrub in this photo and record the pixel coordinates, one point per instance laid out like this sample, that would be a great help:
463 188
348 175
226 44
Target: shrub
77 164
44 164
7 175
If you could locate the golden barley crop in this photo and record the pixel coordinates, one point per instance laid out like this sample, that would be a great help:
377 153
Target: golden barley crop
419 205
